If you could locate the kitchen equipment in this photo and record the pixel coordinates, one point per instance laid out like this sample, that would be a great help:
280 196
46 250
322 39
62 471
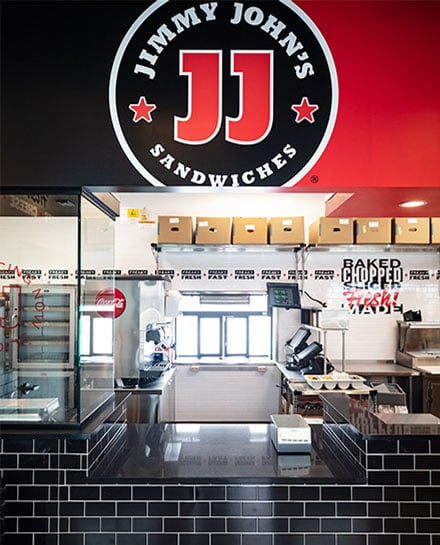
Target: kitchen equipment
390 398
296 344
418 344
42 326
339 380
143 337
290 433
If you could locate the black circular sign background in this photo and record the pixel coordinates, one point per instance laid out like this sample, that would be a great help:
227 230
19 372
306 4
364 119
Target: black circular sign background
168 92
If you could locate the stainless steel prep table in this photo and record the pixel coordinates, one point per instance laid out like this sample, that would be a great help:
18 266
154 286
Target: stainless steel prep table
370 369
296 386
376 369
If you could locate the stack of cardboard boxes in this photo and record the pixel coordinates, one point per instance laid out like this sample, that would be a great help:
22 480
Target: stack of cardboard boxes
237 230
290 230
375 231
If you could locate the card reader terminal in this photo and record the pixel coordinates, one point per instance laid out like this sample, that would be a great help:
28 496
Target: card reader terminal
290 433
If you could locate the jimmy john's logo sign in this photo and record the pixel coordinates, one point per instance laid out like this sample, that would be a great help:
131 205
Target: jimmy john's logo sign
223 94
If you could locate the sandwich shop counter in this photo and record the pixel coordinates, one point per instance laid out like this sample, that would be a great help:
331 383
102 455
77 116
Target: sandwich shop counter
367 478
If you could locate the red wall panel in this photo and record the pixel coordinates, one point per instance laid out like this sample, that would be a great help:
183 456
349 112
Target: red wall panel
387 131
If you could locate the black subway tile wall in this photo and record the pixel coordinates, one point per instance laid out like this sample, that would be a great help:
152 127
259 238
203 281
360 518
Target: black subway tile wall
50 499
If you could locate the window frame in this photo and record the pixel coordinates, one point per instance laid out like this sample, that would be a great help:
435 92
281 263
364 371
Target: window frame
223 316
91 326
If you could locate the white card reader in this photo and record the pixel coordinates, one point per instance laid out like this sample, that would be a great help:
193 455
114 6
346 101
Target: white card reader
290 433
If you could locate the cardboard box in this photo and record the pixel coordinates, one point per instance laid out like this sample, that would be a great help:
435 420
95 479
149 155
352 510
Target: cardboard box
174 230
249 231
286 230
412 230
435 230
332 231
373 231
213 230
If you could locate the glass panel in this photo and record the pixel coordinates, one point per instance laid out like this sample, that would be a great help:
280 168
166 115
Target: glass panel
186 336
98 300
210 335
44 275
236 336
38 302
259 336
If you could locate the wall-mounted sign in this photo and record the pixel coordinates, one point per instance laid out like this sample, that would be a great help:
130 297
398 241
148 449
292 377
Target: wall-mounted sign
223 94
218 94
111 302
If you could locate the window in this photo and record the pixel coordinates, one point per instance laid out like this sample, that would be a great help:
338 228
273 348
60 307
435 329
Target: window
223 326
96 335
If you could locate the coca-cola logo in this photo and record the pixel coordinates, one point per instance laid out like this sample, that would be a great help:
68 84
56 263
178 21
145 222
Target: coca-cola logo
113 300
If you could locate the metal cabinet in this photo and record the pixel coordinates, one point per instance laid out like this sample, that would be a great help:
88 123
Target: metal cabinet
166 410
42 327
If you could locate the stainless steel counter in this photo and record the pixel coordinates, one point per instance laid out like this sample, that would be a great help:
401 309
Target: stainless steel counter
154 402
369 369
372 368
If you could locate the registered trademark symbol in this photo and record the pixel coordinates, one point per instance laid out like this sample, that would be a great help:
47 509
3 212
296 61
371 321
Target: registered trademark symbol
314 179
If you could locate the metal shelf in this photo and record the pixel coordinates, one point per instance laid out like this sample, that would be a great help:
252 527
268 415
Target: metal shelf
372 247
419 325
226 248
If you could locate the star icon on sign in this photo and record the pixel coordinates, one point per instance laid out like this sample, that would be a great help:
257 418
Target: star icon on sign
305 110
142 110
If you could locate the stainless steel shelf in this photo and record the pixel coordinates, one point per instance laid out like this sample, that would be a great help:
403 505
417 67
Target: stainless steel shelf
274 248
226 248
373 247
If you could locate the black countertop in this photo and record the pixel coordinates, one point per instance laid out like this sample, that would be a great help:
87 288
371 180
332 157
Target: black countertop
219 453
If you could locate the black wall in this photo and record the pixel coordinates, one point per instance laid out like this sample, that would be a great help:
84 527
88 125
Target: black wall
56 59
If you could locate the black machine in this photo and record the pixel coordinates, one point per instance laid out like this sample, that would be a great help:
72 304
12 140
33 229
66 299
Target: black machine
308 359
304 357
283 295
298 341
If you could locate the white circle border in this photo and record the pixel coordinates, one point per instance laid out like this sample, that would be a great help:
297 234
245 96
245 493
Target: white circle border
140 167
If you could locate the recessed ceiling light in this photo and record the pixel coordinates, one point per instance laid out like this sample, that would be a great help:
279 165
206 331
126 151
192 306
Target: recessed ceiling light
412 204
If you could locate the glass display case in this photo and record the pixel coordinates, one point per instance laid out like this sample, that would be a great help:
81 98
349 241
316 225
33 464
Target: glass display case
56 345
418 344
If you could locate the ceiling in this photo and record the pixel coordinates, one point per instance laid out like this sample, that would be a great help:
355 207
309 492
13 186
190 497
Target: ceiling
384 202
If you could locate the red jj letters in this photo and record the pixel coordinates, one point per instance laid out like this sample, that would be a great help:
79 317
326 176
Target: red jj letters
205 104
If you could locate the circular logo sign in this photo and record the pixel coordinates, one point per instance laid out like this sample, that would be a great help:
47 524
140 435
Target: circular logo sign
223 94
113 300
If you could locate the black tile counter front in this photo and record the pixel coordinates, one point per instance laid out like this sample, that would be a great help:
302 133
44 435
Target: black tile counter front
52 498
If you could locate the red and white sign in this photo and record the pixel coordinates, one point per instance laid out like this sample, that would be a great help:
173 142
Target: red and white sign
223 94
114 302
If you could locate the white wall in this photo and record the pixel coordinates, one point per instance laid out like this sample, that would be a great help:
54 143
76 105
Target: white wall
133 238
372 330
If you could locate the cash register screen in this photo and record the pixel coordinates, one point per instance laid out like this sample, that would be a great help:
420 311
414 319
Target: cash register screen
283 295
